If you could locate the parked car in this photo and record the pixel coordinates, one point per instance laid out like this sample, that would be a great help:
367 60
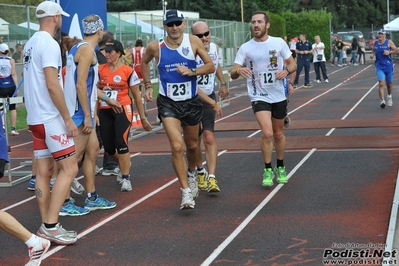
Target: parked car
347 40
357 33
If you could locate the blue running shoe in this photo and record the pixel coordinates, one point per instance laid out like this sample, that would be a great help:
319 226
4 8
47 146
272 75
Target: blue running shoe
32 183
99 204
70 209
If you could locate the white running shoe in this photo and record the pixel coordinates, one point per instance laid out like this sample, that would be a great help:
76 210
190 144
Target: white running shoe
389 101
193 184
114 171
119 178
126 185
326 81
14 132
318 81
287 121
37 252
187 201
77 188
382 104
57 235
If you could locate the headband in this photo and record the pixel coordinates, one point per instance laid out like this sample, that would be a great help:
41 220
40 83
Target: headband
90 27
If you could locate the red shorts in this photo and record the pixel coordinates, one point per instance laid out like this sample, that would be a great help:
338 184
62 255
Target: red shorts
51 140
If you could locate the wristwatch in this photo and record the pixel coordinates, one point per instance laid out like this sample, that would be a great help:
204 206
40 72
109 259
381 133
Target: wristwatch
194 70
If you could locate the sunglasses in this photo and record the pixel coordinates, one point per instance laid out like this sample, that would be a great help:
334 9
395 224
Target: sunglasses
202 35
174 23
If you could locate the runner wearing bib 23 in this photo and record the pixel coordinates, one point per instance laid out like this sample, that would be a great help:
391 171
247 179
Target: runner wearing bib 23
179 104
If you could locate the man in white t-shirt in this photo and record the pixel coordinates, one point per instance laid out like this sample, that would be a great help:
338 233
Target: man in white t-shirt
50 121
319 60
265 57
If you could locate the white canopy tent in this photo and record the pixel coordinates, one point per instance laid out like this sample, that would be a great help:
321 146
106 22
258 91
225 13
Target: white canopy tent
33 26
147 27
3 27
392 26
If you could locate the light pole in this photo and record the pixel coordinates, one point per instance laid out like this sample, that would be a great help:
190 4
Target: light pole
164 4
242 10
388 10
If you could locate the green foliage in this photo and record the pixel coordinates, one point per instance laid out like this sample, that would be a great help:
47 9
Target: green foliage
274 6
277 25
312 23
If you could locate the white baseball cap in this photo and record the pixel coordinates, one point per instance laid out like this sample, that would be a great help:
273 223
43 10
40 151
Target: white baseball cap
4 48
48 9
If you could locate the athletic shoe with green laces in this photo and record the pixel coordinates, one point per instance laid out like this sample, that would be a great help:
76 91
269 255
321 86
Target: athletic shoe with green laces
70 209
281 174
268 176
202 177
99 204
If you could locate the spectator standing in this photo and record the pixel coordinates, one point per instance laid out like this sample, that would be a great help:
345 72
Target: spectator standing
362 51
292 45
8 84
339 48
344 56
319 59
303 50
354 47
17 56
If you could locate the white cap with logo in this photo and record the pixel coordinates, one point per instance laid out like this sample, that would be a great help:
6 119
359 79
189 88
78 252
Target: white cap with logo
49 9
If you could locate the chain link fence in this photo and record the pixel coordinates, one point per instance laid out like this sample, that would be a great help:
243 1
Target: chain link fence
18 23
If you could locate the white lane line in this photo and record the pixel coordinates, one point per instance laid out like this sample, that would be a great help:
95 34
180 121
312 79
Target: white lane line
33 197
389 244
115 215
247 220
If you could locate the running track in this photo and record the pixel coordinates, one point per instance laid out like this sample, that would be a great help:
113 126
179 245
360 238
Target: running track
342 157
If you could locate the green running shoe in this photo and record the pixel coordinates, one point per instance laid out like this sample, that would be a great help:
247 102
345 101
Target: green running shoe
281 175
268 176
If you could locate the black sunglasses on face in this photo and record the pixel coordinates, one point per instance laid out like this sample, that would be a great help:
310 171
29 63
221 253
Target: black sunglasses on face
202 35
174 23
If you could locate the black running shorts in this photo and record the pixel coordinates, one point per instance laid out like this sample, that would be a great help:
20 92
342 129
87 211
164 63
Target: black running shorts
189 112
279 110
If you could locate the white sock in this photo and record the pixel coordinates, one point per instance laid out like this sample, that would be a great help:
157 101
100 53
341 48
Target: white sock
32 241
187 190
389 95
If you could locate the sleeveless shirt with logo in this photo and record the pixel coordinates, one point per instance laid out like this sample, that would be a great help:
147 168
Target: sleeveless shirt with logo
382 61
71 95
172 84
207 82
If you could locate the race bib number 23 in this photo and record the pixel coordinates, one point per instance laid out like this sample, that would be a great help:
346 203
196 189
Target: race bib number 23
179 91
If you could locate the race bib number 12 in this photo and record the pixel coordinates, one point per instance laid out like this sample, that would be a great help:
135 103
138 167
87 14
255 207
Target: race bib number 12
267 79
